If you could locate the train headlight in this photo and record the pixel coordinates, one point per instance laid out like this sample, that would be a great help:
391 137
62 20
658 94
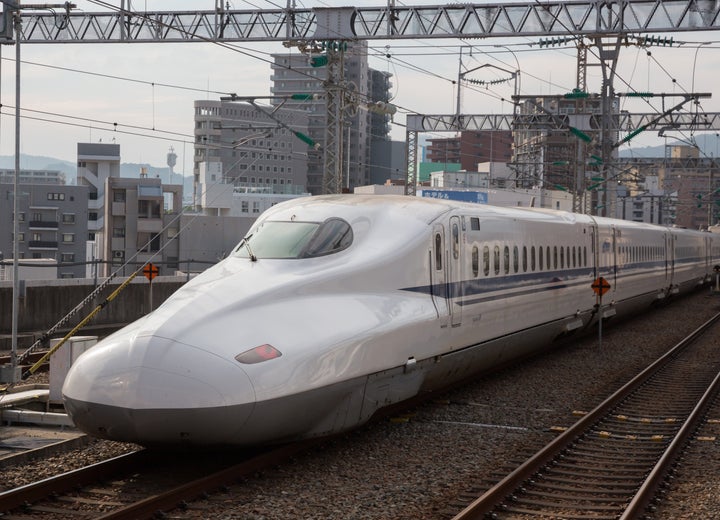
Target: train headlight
258 354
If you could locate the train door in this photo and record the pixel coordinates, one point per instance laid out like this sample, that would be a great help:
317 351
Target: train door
614 258
594 251
455 272
669 259
708 252
438 275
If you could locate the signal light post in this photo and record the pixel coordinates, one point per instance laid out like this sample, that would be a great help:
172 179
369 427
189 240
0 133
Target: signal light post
151 271
600 286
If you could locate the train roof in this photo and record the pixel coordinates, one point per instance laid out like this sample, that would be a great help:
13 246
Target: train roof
427 210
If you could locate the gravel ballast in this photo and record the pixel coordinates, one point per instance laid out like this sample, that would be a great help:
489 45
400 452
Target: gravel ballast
417 465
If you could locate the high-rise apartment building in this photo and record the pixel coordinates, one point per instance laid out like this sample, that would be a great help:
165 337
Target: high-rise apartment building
243 145
52 223
293 73
130 221
471 148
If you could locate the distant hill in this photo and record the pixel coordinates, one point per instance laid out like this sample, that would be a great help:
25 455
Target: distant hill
39 162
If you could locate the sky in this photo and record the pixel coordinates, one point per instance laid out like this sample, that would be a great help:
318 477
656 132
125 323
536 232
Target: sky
149 89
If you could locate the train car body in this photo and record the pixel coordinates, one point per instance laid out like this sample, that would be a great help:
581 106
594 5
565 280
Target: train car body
334 307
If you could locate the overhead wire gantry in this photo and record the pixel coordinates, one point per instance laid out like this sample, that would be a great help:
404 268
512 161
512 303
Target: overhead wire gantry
605 23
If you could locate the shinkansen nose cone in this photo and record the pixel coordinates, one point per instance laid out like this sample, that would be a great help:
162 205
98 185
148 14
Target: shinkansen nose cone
153 391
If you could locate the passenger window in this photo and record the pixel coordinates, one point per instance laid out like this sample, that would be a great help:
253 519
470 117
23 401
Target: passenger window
496 259
486 260
573 253
585 256
540 257
524 259
475 261
506 260
474 223
532 258
438 252
515 259
562 257
549 266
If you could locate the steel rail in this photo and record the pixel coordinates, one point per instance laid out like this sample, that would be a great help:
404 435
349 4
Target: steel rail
132 462
649 488
42 489
486 503
149 507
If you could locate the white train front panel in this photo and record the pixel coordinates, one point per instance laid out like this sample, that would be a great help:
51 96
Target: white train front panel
334 307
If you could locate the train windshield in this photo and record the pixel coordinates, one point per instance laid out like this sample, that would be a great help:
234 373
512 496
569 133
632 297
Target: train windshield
275 239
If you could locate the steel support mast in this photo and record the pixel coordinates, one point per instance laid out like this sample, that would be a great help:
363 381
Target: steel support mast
599 20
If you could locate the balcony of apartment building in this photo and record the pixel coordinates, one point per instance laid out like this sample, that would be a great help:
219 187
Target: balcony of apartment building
95 201
118 209
43 245
148 246
95 221
149 211
41 224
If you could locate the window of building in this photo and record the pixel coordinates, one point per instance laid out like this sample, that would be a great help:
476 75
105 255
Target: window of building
67 257
256 207
68 237
55 196
244 206
118 232
118 195
68 218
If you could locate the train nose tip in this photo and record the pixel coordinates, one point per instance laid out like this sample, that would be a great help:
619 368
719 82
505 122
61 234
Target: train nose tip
153 390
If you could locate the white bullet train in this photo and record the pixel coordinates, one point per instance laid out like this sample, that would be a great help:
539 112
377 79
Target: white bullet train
334 307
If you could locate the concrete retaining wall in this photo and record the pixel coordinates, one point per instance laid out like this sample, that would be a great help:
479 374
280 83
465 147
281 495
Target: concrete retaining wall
44 303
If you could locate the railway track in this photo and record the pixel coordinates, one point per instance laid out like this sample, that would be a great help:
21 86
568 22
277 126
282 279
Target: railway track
31 360
137 485
612 463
